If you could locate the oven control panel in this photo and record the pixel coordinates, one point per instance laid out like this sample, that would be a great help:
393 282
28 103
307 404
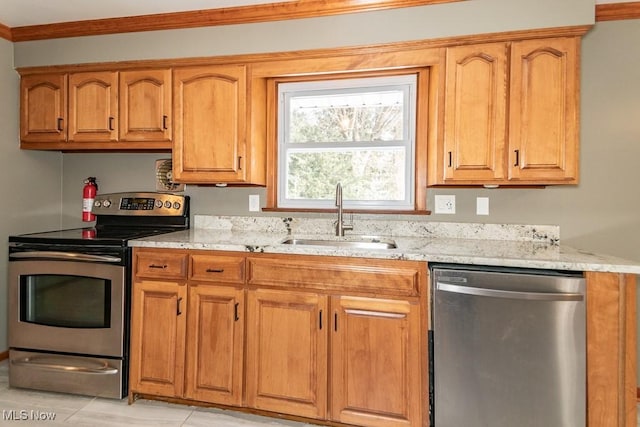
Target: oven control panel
139 204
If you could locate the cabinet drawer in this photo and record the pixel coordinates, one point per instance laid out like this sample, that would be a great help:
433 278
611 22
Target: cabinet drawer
334 274
160 264
217 268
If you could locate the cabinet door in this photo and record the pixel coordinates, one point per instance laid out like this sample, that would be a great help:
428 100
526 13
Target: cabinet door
43 108
93 107
475 113
543 118
215 344
287 352
375 362
145 105
210 124
157 338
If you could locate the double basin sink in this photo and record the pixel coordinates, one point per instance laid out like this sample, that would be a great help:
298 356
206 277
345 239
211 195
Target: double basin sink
351 243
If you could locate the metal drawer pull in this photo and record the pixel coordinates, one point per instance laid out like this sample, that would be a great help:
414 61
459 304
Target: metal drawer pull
105 369
178 311
215 270
158 266
60 122
236 315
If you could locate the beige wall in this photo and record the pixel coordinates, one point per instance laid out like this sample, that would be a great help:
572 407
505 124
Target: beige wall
31 184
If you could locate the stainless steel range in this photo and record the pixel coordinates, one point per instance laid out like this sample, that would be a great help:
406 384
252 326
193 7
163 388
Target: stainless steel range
70 296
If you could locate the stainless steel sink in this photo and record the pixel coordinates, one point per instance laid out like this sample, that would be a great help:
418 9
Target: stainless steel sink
361 243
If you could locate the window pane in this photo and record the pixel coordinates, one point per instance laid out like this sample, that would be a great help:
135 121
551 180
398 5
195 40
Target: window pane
359 132
365 174
347 117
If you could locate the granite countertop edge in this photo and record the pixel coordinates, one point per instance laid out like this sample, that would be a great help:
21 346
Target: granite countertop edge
521 254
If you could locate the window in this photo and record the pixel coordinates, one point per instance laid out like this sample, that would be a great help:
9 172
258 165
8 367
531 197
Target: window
356 132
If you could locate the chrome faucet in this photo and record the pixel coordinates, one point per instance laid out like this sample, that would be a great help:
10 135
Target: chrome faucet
340 225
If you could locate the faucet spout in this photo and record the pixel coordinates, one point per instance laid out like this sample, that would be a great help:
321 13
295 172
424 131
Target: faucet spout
340 225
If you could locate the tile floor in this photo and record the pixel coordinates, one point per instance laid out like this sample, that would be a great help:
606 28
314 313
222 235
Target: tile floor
26 406
35 408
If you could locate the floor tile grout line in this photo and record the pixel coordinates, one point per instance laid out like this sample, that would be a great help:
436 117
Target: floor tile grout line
66 420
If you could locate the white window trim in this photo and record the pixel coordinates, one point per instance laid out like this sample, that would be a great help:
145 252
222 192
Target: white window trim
407 82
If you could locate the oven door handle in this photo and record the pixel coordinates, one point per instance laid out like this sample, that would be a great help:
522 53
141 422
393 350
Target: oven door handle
104 369
68 256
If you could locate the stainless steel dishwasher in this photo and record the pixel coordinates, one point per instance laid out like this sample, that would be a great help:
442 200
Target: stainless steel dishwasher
508 348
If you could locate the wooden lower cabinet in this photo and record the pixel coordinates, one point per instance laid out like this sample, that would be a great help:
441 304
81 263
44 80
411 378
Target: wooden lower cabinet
304 350
158 326
214 351
373 367
187 338
375 362
611 350
287 352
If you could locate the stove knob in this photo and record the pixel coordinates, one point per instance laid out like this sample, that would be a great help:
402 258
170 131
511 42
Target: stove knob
97 203
158 204
106 203
167 204
176 205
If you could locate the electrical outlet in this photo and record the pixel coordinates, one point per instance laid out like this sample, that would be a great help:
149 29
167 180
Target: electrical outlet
482 206
254 202
445 204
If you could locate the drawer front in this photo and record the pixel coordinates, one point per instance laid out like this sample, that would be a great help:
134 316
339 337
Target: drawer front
334 274
217 268
161 264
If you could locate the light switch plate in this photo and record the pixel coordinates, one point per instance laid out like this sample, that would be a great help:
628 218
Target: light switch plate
445 204
482 206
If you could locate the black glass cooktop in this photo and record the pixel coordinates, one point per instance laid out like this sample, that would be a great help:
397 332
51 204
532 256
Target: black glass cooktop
89 236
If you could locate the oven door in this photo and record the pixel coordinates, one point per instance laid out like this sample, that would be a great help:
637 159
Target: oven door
66 306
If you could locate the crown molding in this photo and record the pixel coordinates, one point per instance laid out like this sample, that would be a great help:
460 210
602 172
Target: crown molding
366 51
249 14
5 32
210 17
617 11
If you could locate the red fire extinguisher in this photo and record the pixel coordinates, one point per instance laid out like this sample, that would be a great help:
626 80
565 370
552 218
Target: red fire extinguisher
88 196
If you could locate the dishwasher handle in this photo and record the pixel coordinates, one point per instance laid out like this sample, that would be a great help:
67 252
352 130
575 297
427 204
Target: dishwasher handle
499 293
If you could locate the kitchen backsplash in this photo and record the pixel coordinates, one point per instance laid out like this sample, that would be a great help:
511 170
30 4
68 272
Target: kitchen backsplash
389 228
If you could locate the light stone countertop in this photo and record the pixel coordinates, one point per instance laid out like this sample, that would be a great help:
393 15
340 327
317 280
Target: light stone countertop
479 244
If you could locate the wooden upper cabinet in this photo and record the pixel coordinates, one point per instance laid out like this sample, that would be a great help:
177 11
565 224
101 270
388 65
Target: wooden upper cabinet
544 105
43 108
210 121
93 107
475 112
145 105
510 115
96 110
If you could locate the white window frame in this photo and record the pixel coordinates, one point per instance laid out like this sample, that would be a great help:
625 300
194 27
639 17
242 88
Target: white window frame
409 86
